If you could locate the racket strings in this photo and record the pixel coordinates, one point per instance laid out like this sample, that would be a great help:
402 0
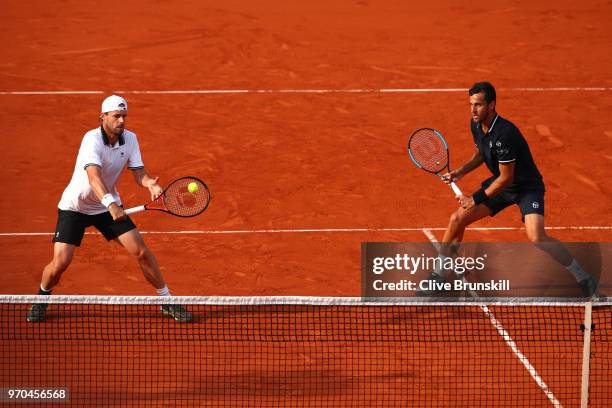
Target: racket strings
429 150
180 201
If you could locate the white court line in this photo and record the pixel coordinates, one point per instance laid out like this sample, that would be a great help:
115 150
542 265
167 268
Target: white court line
52 93
316 230
303 91
506 336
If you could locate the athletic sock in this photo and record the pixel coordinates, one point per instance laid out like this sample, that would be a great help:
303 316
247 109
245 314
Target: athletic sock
576 270
163 291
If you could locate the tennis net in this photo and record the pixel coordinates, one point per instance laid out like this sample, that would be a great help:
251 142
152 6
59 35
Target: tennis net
306 352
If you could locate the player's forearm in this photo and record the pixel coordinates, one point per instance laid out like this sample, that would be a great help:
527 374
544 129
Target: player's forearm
480 196
143 178
473 163
497 186
97 184
147 181
505 179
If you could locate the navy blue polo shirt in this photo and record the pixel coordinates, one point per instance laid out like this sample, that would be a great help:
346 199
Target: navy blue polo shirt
504 143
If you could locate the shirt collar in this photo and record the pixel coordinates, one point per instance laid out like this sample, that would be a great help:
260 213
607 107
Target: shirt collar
105 137
492 124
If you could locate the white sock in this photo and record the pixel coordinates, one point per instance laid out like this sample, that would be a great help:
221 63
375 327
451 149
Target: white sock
576 270
439 265
163 291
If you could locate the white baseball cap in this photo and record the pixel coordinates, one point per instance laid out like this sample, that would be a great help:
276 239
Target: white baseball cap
114 103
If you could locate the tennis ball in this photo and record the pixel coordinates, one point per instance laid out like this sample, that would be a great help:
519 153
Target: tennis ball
192 187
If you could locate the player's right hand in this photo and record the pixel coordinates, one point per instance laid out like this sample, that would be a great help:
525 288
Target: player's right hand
155 189
452 176
117 212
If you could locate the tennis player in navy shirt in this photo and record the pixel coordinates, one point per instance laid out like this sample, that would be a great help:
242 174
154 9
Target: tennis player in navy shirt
515 179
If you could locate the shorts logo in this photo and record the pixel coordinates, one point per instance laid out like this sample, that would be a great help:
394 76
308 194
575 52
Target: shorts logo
536 205
57 234
490 144
498 144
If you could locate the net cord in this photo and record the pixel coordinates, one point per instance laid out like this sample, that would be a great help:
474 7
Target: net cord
297 300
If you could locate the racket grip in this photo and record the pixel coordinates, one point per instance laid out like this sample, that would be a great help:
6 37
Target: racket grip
135 209
456 189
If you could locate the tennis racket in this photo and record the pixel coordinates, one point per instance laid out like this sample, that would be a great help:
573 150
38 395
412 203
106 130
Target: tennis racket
429 151
178 200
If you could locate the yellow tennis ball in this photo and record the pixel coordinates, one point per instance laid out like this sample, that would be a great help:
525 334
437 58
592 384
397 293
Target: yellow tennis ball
192 187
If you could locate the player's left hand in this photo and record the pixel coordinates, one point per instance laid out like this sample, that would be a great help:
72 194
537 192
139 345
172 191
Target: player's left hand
466 202
155 189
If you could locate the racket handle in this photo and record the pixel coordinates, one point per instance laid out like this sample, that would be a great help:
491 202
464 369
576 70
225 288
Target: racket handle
135 209
456 189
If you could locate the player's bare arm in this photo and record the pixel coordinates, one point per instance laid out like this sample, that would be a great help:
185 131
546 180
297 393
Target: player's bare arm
143 179
455 175
97 184
505 178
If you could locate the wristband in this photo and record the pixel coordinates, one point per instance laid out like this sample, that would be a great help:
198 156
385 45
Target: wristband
107 200
479 196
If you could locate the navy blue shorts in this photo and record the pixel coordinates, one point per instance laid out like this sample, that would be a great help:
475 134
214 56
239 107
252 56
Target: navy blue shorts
530 202
71 226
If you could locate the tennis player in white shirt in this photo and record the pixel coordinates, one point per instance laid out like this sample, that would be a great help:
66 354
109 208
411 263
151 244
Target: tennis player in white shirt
91 199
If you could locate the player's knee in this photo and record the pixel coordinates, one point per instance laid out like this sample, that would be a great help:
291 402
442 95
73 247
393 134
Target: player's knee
60 264
62 257
457 219
142 253
536 237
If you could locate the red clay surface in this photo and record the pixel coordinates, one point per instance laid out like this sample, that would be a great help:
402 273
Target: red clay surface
288 160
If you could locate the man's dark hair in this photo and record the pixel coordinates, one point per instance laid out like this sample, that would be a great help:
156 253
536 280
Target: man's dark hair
485 87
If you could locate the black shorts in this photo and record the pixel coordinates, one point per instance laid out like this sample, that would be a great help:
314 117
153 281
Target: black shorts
71 226
530 202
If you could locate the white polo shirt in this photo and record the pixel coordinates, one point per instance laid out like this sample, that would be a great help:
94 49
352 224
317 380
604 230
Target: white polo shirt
96 151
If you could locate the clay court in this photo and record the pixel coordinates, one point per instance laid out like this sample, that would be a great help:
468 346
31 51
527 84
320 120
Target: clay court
296 115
